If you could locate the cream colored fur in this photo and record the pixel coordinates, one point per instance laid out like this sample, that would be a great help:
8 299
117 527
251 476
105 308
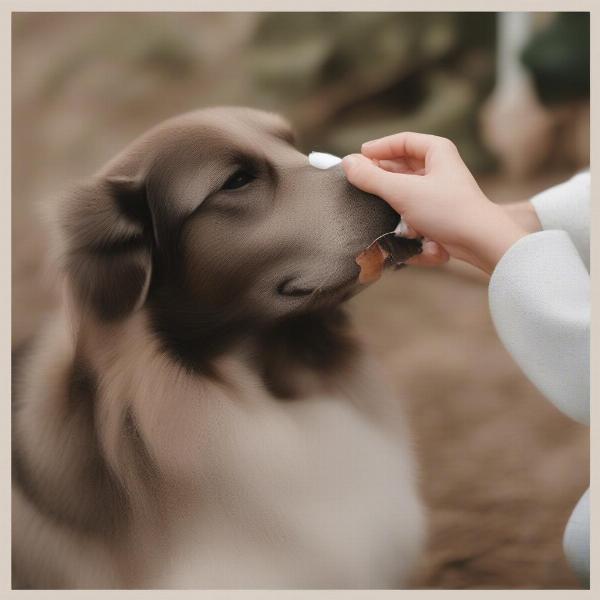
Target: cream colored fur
256 492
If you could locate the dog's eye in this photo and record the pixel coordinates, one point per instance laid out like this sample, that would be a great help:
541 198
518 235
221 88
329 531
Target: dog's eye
238 180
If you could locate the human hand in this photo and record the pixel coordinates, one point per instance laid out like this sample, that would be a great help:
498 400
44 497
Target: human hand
433 254
425 180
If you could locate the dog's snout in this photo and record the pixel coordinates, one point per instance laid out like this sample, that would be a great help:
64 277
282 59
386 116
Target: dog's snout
372 211
351 217
353 194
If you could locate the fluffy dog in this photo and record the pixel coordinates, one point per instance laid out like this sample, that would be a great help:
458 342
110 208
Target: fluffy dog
197 414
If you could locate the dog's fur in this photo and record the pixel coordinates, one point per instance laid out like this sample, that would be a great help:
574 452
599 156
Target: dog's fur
197 414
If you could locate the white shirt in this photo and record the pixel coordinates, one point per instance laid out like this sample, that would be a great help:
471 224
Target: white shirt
539 297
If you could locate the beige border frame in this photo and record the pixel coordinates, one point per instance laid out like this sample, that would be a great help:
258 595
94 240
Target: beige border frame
9 6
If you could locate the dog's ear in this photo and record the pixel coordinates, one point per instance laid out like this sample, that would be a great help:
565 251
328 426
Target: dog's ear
107 232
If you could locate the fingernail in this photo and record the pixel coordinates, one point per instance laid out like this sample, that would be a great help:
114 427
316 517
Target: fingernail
349 161
367 144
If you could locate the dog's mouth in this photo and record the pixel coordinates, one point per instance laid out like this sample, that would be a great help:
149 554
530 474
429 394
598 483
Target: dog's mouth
292 288
386 250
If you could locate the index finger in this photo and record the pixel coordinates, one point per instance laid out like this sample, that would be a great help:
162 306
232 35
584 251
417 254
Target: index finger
408 144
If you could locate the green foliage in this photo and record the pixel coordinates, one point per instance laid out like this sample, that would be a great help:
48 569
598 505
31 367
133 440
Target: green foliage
558 58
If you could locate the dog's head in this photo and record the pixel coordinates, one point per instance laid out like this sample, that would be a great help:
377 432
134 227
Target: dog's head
214 220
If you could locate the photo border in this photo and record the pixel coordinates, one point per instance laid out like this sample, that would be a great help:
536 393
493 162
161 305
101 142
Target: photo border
7 8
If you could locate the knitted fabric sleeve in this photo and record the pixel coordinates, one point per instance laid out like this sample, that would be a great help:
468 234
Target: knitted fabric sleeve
539 297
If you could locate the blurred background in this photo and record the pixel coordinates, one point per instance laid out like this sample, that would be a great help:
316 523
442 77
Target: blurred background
501 468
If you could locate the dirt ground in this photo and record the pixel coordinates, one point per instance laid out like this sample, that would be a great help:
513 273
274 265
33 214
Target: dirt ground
500 467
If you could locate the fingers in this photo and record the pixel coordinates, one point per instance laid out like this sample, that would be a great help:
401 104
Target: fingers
433 255
367 176
419 146
401 165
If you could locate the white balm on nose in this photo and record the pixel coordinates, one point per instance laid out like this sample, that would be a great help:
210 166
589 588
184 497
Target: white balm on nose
322 160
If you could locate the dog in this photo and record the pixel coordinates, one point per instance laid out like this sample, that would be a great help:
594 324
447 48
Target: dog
198 412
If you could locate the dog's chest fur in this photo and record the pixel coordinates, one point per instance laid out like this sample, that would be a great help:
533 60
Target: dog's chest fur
311 493
247 490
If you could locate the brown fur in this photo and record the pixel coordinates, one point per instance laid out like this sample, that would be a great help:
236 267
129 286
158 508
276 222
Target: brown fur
151 444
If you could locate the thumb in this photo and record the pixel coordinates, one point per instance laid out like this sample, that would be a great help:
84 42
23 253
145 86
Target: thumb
365 175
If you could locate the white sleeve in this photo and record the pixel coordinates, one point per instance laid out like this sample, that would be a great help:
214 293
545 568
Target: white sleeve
539 296
567 207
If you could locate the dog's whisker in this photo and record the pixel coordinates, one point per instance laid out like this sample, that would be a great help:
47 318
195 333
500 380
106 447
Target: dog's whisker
312 295
380 238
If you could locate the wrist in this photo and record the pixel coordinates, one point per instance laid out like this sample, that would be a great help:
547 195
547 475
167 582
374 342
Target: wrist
492 241
524 215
